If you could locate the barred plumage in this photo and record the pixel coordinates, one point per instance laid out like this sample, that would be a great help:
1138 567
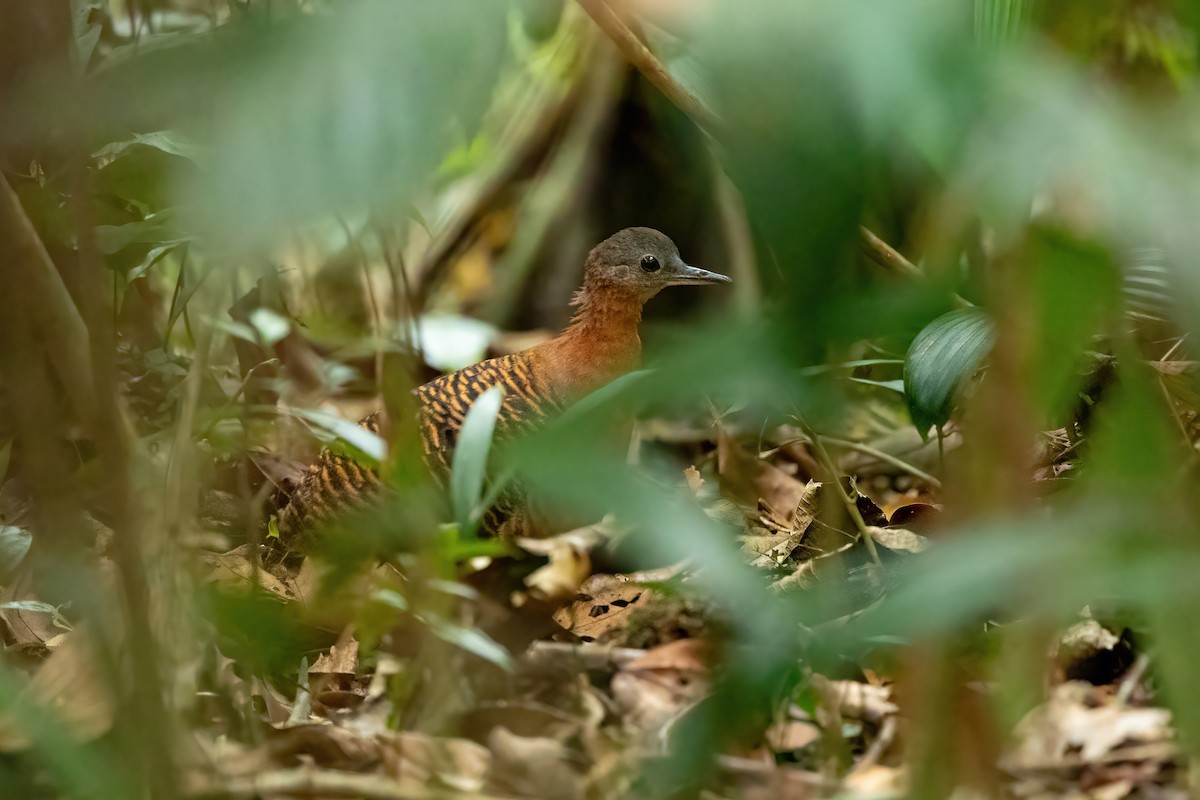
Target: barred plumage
621 274
444 402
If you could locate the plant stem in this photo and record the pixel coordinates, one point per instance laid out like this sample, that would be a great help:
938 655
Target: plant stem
847 500
886 457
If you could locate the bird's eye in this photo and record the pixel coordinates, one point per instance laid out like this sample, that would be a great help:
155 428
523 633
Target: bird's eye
650 263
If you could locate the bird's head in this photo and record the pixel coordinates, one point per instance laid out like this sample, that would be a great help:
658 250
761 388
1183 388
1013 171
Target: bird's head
644 260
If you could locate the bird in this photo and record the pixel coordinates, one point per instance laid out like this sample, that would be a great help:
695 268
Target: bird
598 345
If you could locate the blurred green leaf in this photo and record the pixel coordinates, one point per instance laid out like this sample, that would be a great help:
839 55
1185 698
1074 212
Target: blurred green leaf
469 468
327 426
170 142
1074 296
157 229
271 326
893 386
398 84
940 362
999 21
153 256
390 598
1134 443
14 544
471 640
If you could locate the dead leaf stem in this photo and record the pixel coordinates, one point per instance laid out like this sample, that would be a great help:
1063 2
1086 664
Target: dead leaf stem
847 500
887 458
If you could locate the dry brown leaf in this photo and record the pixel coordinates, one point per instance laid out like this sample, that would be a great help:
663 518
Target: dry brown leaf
654 689
234 570
324 745
861 701
423 759
749 479
877 782
531 766
568 567
899 540
1078 724
69 682
604 607
342 659
790 735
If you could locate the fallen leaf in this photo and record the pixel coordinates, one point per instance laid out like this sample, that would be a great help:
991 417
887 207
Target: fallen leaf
530 766
458 764
1078 724
339 660
71 684
604 606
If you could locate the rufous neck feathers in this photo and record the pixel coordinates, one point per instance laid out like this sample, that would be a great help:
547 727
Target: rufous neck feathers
601 342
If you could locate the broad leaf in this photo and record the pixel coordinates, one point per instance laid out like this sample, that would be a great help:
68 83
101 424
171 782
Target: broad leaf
940 362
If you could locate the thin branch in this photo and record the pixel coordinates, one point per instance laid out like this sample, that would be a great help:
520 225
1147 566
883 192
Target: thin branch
887 256
834 479
638 54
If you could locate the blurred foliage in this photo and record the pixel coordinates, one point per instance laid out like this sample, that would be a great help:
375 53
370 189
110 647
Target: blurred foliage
280 193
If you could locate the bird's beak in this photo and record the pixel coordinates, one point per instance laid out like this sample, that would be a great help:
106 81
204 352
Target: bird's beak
685 274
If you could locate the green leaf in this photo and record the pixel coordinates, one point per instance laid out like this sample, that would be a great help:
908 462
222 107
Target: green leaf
172 143
390 598
373 448
270 325
603 396
470 457
396 86
940 362
155 255
1000 21
820 369
894 386
155 229
473 641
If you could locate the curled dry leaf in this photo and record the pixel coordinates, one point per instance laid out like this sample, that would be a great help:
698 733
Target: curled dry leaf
568 567
341 659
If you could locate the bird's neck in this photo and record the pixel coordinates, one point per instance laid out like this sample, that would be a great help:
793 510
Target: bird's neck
601 342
